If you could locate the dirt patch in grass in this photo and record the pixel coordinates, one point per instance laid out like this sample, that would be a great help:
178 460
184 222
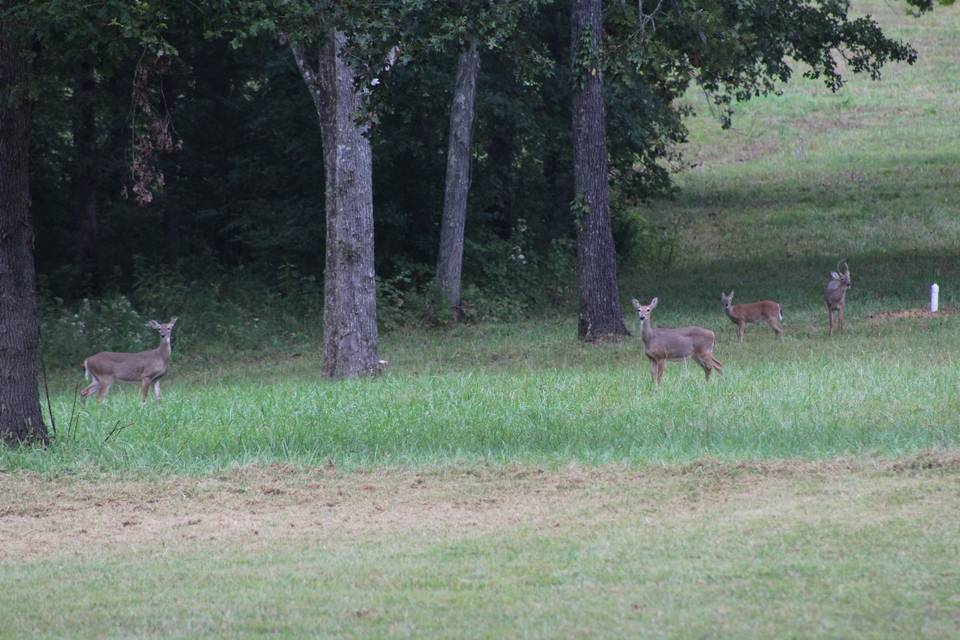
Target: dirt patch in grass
260 506
912 313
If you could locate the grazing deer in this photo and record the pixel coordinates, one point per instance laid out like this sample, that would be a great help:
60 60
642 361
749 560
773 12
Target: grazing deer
835 293
660 345
742 314
145 367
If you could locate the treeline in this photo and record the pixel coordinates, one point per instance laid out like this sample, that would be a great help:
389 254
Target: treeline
372 151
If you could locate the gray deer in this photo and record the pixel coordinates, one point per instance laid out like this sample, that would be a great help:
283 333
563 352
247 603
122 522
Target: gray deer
145 367
835 294
660 345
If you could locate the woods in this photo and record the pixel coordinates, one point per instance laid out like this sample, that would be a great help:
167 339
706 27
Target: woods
174 146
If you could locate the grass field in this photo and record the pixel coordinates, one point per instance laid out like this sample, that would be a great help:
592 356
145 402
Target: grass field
838 550
502 479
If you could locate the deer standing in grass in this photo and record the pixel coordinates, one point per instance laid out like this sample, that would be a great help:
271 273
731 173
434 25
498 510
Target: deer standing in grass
660 345
835 294
145 367
742 314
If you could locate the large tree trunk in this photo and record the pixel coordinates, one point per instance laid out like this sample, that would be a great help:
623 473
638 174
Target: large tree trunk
350 300
459 152
600 315
20 419
84 176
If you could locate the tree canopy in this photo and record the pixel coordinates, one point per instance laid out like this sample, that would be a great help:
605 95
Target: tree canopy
200 110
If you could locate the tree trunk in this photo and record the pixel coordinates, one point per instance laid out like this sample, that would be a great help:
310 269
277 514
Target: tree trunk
84 176
600 314
459 152
20 419
349 296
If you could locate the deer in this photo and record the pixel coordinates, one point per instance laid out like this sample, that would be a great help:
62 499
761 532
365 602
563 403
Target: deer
742 314
835 294
145 367
660 345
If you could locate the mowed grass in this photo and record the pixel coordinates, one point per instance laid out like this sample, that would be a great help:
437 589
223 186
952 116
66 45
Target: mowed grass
805 179
703 551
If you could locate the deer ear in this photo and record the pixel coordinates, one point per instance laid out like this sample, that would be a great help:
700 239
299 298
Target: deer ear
153 324
173 321
834 275
636 303
653 303
731 294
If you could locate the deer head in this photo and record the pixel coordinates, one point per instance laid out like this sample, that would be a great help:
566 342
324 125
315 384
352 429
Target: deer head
165 330
644 310
727 300
842 276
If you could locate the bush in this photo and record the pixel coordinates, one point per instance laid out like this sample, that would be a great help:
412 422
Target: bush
108 324
642 242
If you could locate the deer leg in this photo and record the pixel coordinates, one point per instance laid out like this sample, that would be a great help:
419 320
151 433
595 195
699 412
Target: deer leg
777 329
105 385
704 362
653 371
840 316
93 387
830 318
740 332
156 390
661 366
716 364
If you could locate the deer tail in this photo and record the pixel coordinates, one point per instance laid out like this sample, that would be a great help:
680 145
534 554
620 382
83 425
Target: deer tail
780 311
86 371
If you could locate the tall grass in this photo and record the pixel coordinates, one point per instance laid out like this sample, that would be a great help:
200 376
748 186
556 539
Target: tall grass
886 389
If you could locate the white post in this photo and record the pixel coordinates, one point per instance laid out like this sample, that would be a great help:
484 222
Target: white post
934 297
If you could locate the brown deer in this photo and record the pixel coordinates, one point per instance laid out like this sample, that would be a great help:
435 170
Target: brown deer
660 345
145 367
835 294
743 314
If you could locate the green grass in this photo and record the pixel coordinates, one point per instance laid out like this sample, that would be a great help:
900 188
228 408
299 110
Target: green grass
883 390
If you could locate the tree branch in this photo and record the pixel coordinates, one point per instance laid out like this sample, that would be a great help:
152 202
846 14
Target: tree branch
300 57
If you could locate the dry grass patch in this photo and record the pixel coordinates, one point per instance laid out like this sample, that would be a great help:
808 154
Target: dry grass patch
847 548
259 506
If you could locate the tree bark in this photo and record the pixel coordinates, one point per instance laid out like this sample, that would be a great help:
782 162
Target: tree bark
350 301
84 175
20 419
600 314
457 190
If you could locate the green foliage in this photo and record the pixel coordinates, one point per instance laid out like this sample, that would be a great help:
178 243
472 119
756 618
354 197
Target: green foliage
641 241
243 199
507 281
68 335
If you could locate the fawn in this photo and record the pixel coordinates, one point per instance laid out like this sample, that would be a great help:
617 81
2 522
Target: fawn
660 345
145 367
742 314
835 294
